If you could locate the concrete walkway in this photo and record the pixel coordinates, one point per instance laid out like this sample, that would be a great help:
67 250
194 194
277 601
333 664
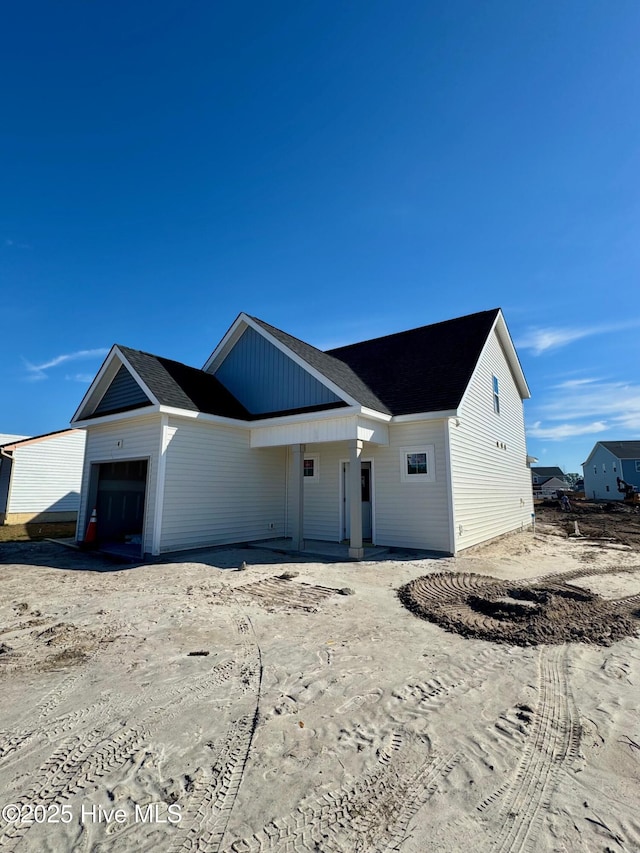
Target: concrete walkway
317 548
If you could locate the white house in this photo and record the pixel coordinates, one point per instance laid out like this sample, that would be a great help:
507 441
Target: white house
609 462
40 477
388 441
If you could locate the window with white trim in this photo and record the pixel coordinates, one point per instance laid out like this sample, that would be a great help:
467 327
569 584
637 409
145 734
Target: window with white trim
417 464
496 396
310 469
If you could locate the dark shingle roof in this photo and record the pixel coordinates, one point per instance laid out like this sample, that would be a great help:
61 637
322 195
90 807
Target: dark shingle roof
421 370
176 384
623 449
333 368
552 471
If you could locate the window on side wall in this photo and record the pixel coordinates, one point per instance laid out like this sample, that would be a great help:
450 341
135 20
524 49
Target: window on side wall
417 464
637 466
310 469
496 396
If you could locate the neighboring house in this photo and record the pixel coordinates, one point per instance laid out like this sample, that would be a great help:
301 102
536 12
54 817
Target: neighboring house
608 461
40 477
389 441
546 480
550 487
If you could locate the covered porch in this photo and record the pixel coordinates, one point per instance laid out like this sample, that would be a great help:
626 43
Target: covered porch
355 436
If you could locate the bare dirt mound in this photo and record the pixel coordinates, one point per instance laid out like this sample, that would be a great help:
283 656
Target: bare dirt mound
613 521
524 615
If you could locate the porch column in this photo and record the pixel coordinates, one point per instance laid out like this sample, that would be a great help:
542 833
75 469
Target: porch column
356 551
297 495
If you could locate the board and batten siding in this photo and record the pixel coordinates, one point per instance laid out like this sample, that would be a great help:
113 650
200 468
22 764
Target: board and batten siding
264 379
410 515
217 489
46 476
123 393
491 482
137 438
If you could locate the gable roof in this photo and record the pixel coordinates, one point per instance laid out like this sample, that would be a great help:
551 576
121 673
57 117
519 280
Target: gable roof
421 370
623 449
182 387
552 471
23 441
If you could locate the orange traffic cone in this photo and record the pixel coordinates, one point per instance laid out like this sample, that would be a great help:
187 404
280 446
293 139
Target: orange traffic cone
92 530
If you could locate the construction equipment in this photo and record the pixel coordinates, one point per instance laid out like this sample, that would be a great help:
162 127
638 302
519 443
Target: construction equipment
630 492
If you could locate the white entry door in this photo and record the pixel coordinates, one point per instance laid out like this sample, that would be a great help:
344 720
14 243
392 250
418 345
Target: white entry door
367 515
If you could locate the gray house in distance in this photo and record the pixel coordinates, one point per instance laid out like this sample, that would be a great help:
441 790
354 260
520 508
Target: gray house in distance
608 461
389 441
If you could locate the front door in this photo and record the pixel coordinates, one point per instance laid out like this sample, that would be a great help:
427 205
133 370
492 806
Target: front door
367 515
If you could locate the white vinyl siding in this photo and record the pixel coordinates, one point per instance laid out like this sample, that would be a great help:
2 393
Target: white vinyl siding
322 497
491 482
217 489
46 475
411 515
138 438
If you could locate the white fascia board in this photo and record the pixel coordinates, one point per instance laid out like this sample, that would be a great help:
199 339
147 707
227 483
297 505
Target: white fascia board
204 416
348 411
143 411
234 333
500 328
425 416
231 336
283 420
375 415
105 366
113 354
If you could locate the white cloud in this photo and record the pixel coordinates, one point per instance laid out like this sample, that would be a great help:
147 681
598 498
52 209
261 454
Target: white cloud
38 371
539 340
86 378
588 406
562 431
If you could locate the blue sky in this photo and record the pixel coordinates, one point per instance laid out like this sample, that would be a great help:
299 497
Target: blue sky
342 170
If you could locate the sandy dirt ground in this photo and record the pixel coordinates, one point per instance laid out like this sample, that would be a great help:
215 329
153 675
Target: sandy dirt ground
189 705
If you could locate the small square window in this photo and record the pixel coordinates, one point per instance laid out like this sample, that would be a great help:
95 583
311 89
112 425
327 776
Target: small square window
417 464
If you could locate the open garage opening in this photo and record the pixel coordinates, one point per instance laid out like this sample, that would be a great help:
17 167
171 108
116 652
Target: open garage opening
118 493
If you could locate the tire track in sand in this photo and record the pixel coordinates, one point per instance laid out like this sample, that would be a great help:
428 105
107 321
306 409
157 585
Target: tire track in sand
206 817
552 744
